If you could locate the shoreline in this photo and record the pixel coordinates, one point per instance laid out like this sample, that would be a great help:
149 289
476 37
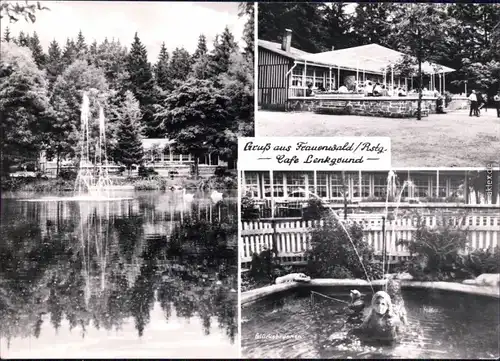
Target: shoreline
251 296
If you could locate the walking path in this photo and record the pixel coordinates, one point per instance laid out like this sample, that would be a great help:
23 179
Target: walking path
440 140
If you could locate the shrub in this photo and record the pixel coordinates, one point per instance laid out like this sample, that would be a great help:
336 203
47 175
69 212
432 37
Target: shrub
438 250
144 172
332 254
249 210
482 261
263 266
67 174
314 210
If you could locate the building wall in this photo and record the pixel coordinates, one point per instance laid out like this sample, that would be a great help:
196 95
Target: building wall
430 186
272 82
370 106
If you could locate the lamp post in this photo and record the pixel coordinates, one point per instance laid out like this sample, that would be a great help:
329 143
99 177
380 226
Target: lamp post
466 88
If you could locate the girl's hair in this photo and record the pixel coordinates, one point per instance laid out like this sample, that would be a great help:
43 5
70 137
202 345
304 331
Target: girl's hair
380 295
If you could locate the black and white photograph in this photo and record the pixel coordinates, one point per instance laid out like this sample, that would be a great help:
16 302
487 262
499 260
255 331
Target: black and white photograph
370 264
427 75
118 149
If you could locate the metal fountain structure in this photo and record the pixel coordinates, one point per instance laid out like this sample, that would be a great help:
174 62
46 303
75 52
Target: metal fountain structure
93 178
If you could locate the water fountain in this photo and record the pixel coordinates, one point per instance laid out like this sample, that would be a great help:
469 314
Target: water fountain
339 219
93 178
391 192
92 182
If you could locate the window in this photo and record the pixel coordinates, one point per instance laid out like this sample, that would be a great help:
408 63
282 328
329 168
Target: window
457 186
336 185
380 185
279 184
297 76
266 179
421 183
319 79
401 188
365 185
252 184
322 184
442 186
353 190
296 184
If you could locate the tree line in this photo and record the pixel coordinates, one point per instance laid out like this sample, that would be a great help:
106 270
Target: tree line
465 37
202 101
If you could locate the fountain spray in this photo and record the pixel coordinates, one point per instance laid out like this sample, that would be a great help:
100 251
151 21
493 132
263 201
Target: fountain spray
337 217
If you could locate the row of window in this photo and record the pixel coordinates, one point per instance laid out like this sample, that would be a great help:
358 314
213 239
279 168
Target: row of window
323 78
331 185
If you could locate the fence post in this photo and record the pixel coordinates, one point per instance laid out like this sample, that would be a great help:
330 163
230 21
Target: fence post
275 246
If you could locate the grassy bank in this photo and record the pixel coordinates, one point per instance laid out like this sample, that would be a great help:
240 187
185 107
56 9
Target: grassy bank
151 183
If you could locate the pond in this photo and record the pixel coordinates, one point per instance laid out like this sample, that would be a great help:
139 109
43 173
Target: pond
150 275
441 325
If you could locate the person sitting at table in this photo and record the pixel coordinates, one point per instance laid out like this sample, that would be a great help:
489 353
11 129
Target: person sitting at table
384 92
309 91
368 91
343 89
377 89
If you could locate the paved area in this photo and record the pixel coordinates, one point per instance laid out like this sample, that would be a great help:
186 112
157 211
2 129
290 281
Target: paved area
440 140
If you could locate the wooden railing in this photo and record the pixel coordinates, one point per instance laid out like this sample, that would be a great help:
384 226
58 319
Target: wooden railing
292 236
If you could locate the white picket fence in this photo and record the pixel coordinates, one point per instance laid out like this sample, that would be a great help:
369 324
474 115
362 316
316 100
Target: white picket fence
292 237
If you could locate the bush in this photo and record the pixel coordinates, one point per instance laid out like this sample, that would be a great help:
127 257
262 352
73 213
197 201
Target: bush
482 261
144 172
438 250
332 254
249 210
220 171
67 174
314 210
263 266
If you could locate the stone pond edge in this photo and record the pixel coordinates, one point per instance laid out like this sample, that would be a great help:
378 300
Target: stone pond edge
251 296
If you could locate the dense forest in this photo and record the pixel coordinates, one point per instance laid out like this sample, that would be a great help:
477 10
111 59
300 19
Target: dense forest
202 101
465 37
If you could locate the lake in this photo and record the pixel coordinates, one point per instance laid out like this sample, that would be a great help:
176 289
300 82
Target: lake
147 276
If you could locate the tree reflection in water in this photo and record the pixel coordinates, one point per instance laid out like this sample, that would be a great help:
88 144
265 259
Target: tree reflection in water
93 266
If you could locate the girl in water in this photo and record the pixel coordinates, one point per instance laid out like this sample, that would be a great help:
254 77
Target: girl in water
382 323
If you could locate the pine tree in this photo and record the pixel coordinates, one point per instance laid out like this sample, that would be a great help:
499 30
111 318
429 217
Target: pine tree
6 36
92 52
201 49
248 32
80 46
370 23
37 51
69 53
224 47
129 150
22 39
54 64
180 64
162 69
141 83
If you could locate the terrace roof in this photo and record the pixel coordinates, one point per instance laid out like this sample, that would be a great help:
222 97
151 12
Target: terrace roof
161 143
371 58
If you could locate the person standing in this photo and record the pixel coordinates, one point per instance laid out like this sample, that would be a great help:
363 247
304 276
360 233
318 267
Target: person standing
497 103
480 103
473 104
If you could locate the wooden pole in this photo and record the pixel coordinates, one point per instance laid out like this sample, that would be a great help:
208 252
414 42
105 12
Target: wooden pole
330 87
